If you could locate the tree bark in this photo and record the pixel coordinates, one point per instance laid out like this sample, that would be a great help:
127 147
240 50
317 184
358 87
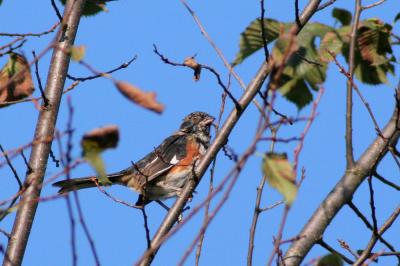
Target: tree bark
44 133
343 192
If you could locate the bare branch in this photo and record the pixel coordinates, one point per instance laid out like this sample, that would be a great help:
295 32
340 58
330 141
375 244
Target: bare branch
373 5
219 141
45 129
342 192
366 252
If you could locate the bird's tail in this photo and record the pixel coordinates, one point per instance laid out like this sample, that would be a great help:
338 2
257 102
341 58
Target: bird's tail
69 185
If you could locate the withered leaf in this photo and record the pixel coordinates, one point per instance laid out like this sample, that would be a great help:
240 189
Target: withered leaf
78 52
280 175
15 79
191 62
94 143
136 95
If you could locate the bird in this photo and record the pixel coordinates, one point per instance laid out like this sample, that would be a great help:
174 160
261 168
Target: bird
163 172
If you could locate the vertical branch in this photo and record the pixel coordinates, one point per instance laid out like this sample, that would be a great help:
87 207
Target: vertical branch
349 93
257 209
44 130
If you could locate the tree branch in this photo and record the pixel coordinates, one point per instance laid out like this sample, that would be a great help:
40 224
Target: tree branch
343 192
349 93
219 142
44 129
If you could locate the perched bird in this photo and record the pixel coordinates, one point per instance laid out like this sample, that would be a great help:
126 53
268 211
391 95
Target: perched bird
163 172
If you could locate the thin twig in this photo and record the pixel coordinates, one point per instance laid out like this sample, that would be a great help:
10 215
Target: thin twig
323 244
369 226
146 228
264 38
373 5
278 238
372 205
30 33
349 84
45 100
15 173
257 211
366 104
347 247
102 74
218 51
326 4
212 70
58 14
385 181
75 193
365 254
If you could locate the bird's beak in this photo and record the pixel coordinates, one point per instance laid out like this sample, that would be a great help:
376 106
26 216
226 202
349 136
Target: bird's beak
209 120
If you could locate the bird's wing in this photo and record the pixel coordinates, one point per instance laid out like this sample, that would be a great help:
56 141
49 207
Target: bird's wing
162 159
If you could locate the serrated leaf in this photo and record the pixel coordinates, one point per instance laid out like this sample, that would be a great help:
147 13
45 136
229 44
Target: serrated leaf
330 260
286 44
15 84
94 143
251 39
342 15
142 98
78 52
296 91
331 42
92 7
373 75
374 41
280 175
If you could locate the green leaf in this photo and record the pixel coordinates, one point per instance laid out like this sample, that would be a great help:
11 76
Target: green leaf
342 15
374 41
251 39
331 42
280 175
330 260
94 143
78 52
92 7
296 91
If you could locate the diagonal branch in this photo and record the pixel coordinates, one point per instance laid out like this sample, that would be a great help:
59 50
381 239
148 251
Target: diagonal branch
219 142
343 192
44 129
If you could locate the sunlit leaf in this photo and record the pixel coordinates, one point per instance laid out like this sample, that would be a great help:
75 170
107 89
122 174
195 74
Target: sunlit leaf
374 41
78 52
332 43
136 95
330 260
280 175
285 45
251 39
94 143
342 15
15 79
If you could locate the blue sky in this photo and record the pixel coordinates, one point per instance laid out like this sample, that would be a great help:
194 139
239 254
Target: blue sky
131 28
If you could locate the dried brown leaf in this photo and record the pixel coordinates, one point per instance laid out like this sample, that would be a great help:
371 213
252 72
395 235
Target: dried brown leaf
191 62
17 68
144 99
